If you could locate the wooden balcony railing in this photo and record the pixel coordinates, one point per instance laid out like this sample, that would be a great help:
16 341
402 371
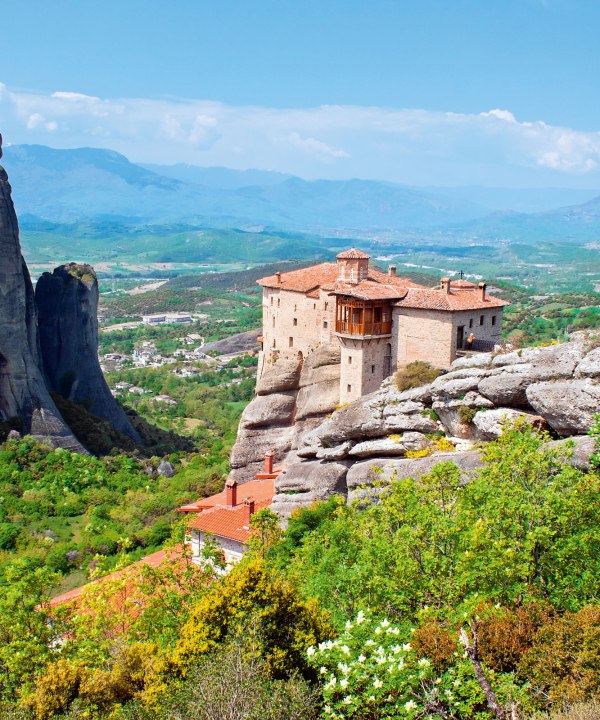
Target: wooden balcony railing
363 328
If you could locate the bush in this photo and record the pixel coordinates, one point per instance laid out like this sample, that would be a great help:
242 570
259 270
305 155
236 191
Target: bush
415 374
466 414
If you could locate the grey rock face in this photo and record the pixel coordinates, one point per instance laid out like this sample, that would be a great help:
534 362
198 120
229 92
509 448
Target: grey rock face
166 469
67 307
491 423
390 446
279 377
269 410
568 406
23 391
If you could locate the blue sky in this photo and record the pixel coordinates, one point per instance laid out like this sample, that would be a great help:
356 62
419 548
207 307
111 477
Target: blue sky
417 91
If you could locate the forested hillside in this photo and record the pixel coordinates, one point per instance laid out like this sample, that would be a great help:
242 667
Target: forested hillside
443 601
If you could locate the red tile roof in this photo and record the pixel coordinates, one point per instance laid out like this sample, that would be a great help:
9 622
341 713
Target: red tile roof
226 521
153 560
325 276
370 290
262 489
457 299
353 254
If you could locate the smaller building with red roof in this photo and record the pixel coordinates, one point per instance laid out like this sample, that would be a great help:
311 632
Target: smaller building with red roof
225 517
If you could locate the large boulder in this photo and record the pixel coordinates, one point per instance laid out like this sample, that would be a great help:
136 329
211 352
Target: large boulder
568 406
491 423
279 376
269 410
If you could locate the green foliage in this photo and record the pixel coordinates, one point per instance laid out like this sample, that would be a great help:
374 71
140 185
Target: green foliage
415 374
467 413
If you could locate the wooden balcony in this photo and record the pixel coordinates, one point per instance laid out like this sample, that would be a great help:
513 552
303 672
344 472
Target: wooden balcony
363 329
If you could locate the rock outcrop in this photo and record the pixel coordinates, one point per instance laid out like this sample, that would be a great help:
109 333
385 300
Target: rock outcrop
65 358
361 446
293 397
23 391
67 308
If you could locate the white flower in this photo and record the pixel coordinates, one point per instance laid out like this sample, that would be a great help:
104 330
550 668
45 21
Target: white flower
311 651
360 617
406 647
371 698
385 622
377 683
344 668
332 681
424 662
401 664
323 670
345 649
396 648
369 642
361 658
377 630
410 705
348 700
343 683
349 625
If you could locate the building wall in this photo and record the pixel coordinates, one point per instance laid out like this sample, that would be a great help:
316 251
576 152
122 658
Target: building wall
431 335
295 323
363 366
233 550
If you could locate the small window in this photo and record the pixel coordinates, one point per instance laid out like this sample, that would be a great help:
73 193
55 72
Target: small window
314 306
278 302
273 320
493 319
291 341
481 319
295 321
295 308
326 305
349 388
349 359
271 299
372 369
274 342
325 324
471 323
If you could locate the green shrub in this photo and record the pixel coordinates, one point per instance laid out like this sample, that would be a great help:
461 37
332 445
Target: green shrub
415 374
466 414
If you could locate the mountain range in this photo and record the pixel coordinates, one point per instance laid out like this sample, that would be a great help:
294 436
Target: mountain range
87 184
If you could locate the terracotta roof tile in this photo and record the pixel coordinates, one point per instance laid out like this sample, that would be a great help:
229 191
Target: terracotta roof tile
353 254
303 280
227 522
259 489
370 290
153 560
456 299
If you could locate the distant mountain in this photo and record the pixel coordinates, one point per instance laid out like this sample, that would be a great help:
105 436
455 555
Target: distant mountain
103 188
87 184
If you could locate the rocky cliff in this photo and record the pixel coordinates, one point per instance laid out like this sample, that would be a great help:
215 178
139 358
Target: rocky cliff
392 433
293 397
25 379
67 308
24 397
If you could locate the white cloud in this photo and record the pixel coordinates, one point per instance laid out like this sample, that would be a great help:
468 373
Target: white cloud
403 145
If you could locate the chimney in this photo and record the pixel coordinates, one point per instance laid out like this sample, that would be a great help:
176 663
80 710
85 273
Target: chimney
392 270
248 510
481 289
231 492
268 462
445 284
278 277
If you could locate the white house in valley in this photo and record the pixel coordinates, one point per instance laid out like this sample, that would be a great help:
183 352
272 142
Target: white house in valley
381 321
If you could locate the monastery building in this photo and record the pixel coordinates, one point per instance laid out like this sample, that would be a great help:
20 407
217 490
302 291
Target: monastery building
382 322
